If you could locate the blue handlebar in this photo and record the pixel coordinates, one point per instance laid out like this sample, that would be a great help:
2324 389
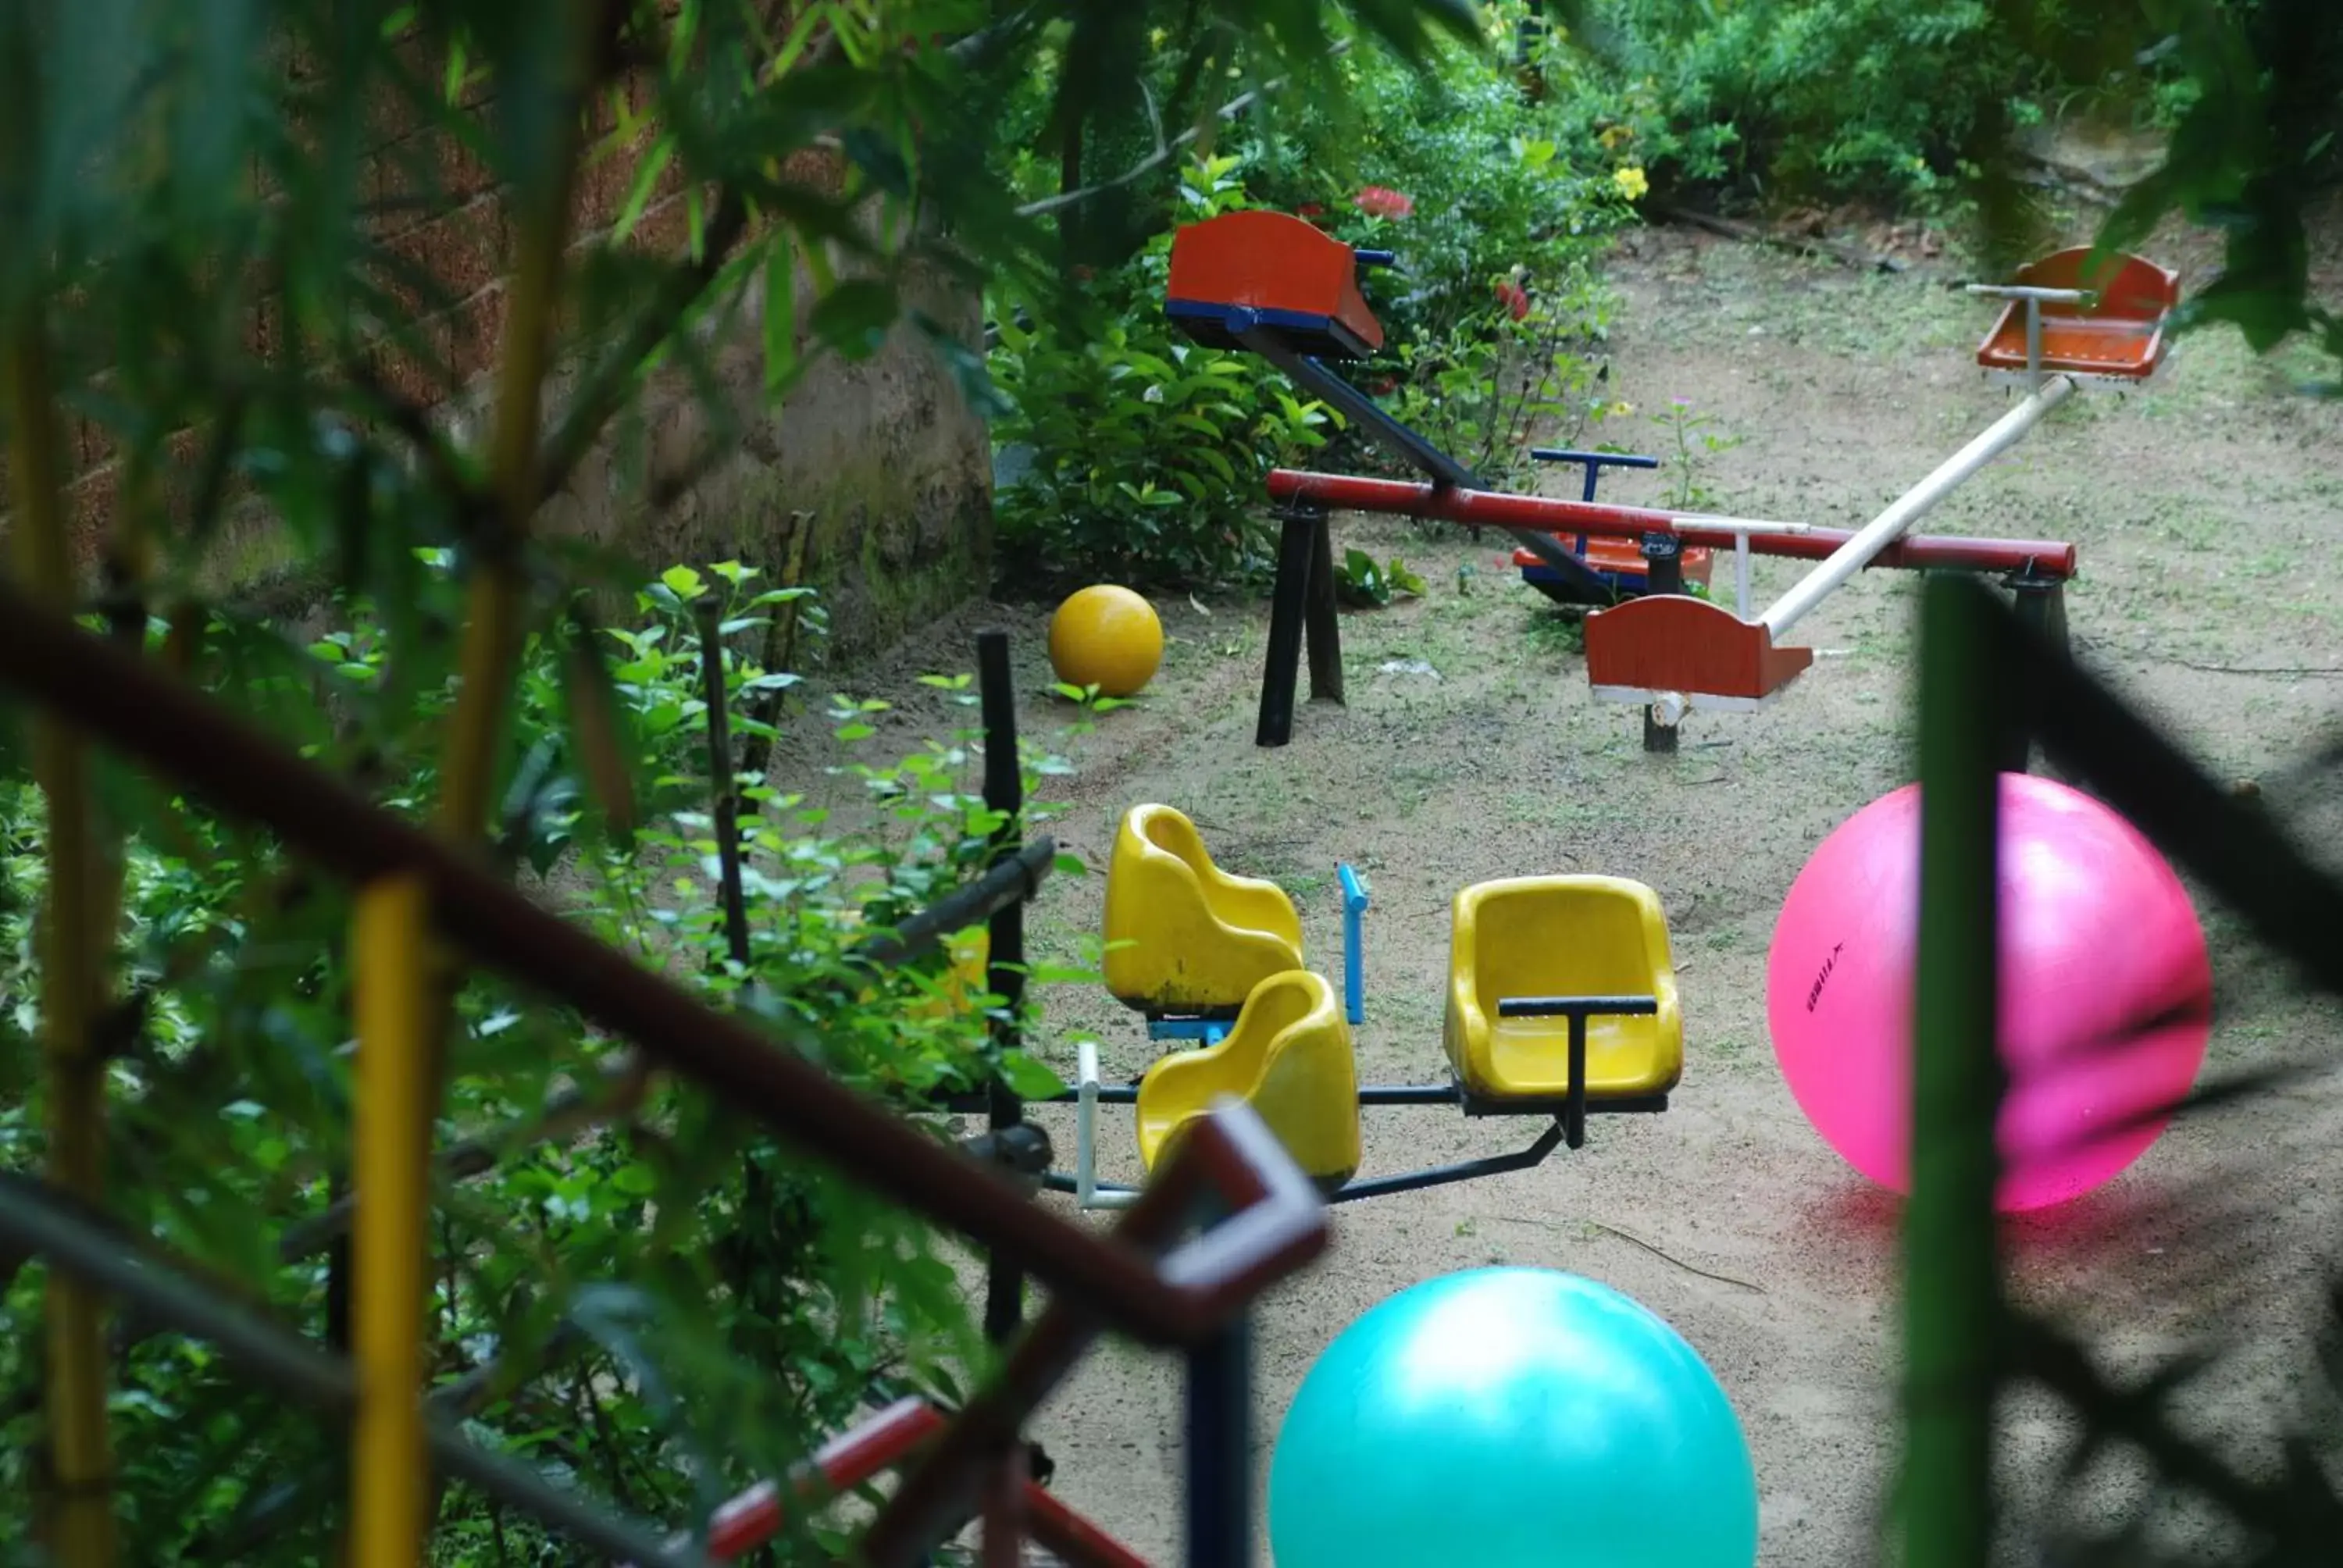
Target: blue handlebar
1354 974
1376 258
1593 462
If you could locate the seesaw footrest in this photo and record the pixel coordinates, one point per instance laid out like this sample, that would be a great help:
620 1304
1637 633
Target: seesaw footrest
1689 645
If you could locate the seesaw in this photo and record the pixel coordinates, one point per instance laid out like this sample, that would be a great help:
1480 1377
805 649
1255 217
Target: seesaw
1561 1003
1273 284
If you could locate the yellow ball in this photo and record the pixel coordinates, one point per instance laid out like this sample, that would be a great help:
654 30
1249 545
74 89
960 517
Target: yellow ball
1106 636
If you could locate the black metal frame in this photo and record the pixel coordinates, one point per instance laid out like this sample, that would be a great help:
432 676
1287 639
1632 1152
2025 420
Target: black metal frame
1302 601
1663 574
2038 604
1569 1110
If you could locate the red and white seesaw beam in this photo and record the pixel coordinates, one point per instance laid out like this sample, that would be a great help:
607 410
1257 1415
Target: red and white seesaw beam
1685 652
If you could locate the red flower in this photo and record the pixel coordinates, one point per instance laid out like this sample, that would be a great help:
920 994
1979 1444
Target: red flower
1514 296
1310 209
1381 201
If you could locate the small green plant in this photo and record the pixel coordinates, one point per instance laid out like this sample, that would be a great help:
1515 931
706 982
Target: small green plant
1558 630
1087 697
1693 441
1362 584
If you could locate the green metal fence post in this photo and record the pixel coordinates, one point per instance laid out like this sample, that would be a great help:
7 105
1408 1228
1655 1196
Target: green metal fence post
1952 1282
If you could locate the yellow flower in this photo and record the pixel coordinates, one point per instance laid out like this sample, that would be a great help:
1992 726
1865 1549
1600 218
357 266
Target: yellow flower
1614 135
1631 181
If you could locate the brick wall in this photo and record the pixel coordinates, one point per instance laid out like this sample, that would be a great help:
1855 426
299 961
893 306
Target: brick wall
881 455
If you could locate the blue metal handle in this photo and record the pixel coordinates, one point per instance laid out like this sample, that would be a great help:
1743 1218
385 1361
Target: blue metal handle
1204 1031
1593 462
1354 974
1377 257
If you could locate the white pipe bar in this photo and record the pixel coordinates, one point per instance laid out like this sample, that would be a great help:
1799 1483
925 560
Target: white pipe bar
2022 291
1086 1188
1907 508
1740 528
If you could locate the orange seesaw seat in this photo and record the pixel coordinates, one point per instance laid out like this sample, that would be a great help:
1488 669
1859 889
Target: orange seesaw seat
2119 335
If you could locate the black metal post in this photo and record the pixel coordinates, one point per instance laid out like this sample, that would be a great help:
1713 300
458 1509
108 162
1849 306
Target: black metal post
1322 616
1446 1175
1577 1009
1953 1347
1004 791
1410 1094
1663 574
1288 608
1220 1448
726 795
2040 603
1574 1118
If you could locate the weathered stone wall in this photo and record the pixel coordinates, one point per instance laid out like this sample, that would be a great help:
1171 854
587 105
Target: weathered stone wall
891 469
891 472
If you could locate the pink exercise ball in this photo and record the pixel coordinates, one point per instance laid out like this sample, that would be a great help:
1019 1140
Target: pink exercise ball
2107 993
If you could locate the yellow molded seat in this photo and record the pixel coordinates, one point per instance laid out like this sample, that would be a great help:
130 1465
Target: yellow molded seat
1289 1057
1182 935
1561 936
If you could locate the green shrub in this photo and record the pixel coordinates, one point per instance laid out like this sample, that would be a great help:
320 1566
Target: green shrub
1813 97
1146 452
727 1305
1134 455
1495 192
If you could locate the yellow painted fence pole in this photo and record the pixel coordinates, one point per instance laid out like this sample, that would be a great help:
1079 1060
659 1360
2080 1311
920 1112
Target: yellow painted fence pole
391 1115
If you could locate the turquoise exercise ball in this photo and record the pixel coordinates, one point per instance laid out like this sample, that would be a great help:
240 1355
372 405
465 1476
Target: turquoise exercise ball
1511 1418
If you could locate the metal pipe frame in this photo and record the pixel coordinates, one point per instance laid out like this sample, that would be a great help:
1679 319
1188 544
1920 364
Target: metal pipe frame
1868 541
1088 1192
1741 530
1546 516
1527 1159
1569 1126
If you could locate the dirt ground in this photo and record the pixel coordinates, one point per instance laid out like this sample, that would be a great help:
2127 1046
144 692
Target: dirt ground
2206 509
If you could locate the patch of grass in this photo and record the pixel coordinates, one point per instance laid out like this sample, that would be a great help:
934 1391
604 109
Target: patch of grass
1557 631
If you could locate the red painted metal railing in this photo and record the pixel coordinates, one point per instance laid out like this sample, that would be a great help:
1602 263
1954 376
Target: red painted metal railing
873 1448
